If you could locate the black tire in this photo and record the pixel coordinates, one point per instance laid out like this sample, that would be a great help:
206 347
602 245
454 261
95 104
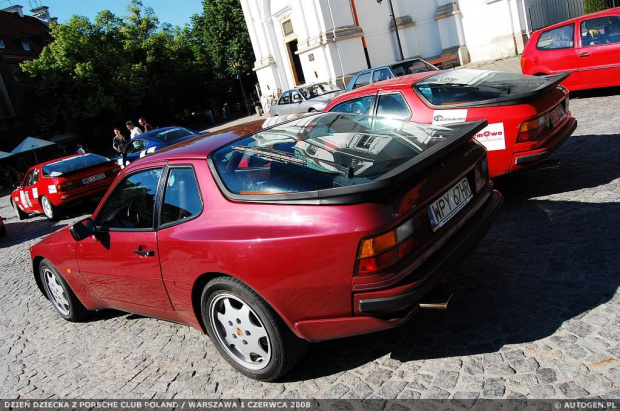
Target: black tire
60 294
277 348
312 110
18 212
51 212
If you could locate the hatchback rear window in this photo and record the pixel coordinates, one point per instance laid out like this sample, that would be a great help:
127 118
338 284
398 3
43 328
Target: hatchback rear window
72 164
320 152
475 86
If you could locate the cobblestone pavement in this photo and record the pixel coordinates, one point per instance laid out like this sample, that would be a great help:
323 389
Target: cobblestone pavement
536 313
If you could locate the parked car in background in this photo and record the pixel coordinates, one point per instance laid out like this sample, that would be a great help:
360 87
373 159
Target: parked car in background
51 185
588 47
304 99
400 68
328 226
528 116
151 141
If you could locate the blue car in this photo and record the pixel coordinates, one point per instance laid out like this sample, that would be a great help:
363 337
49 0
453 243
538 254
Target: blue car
151 141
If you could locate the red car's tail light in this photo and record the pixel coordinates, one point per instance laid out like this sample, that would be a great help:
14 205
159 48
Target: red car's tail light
532 129
381 252
67 185
522 62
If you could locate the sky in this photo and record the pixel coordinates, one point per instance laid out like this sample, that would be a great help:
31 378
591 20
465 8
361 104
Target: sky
175 12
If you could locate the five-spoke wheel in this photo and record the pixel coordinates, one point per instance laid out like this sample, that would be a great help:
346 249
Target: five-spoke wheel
48 208
60 294
247 332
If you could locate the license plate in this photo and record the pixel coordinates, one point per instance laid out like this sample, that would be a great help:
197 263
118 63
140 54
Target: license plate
94 178
557 114
453 200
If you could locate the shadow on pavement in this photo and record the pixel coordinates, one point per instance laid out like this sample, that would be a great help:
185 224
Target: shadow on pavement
542 263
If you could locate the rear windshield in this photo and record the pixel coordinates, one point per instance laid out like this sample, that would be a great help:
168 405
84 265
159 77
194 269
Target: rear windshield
72 164
316 90
171 135
474 86
319 152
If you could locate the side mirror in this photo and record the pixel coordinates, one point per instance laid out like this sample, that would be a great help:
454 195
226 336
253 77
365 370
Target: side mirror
83 229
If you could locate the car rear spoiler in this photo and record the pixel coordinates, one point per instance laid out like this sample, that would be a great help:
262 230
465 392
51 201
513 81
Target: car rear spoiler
551 82
365 192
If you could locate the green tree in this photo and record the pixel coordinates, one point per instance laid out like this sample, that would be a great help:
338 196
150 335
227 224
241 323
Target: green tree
222 40
95 76
591 6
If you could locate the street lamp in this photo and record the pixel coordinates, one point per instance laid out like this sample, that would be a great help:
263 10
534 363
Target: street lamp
400 48
236 65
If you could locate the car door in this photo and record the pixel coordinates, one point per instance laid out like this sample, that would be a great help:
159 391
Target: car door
121 261
29 193
296 104
599 51
556 52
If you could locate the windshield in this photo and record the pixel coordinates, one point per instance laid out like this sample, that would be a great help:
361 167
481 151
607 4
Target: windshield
319 152
316 90
171 134
72 164
466 86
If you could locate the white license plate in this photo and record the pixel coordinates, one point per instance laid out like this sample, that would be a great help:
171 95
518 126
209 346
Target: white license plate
94 178
443 209
557 114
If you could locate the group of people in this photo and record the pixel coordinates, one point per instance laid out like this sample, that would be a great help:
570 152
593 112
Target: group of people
119 142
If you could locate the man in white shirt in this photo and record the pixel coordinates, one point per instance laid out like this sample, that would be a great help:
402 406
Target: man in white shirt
135 131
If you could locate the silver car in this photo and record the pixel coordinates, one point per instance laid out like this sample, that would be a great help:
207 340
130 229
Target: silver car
303 99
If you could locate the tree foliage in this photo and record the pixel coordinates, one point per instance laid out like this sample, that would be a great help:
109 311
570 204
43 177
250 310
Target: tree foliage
96 75
591 6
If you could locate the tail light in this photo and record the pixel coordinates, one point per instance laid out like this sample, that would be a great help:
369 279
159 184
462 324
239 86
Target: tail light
531 130
522 62
67 185
381 252
482 174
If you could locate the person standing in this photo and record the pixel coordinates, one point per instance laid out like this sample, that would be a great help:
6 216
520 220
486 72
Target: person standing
118 143
80 149
135 131
146 126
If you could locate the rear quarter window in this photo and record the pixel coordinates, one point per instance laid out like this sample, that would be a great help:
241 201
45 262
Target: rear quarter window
558 38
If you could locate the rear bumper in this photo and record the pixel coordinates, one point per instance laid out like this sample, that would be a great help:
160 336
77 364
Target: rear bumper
527 159
396 305
62 199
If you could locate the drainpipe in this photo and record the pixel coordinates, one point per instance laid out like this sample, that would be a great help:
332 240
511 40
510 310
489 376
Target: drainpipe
512 26
357 23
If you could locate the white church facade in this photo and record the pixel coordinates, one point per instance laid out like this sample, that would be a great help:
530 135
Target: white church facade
306 41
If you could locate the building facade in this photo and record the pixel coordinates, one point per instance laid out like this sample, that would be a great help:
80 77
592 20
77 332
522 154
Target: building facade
307 41
22 38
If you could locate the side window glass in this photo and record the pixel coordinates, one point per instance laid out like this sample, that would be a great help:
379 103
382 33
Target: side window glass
182 197
362 80
380 75
286 98
131 204
35 176
137 145
361 105
29 178
558 38
602 30
393 106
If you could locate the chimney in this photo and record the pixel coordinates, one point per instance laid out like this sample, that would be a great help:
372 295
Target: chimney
42 13
17 9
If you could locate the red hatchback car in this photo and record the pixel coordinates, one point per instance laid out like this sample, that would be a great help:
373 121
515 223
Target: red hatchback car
588 47
528 116
53 184
328 226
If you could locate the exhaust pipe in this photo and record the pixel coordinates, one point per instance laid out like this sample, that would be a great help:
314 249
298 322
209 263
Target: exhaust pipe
437 299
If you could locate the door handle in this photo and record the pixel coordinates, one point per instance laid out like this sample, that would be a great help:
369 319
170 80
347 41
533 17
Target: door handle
584 55
146 253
